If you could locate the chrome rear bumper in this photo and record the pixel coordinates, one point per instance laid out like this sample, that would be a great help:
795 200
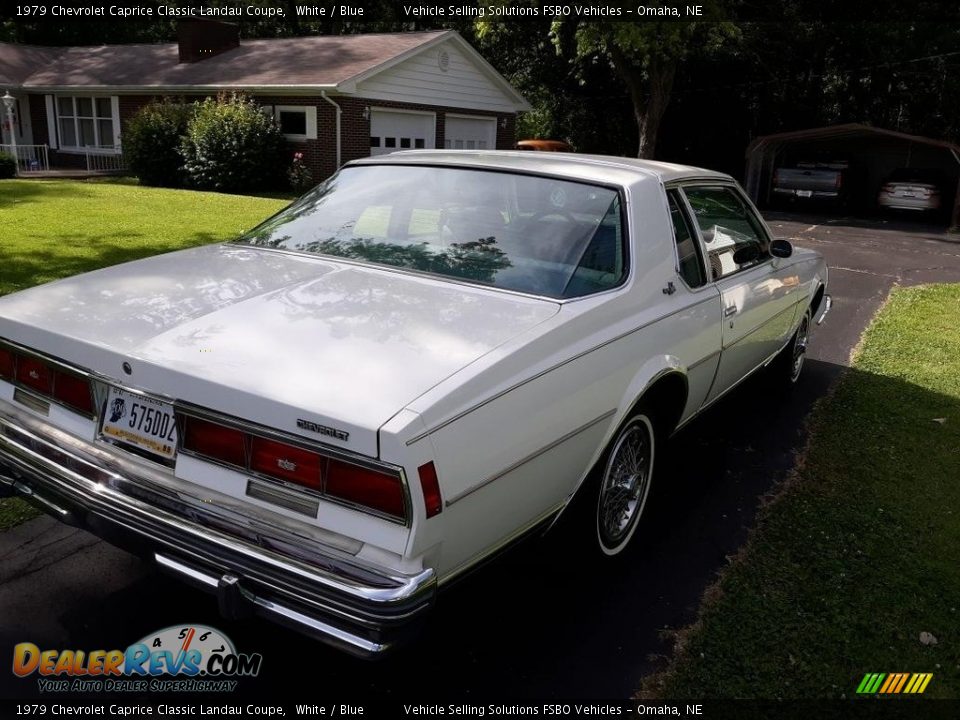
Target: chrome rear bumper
252 568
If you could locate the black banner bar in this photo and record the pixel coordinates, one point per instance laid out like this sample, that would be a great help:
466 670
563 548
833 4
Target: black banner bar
440 12
220 707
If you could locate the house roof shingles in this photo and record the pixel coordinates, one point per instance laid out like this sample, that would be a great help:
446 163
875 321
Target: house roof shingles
325 60
18 62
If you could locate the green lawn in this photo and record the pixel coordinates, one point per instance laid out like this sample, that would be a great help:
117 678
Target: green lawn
56 228
860 553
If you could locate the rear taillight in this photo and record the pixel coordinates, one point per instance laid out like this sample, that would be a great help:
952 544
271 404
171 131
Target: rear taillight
286 462
61 386
369 488
218 442
35 374
430 485
6 364
839 180
73 391
366 488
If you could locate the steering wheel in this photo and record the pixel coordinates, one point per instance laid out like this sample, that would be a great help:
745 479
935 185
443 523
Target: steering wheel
562 214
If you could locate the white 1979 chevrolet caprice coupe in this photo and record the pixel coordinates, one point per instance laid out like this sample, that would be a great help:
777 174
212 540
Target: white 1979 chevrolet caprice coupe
424 358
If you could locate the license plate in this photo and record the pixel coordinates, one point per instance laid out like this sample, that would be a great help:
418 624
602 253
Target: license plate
804 193
143 422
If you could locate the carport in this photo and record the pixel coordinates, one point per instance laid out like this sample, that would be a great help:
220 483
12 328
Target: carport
873 153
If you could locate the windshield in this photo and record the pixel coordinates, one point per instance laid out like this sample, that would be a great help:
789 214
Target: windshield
518 232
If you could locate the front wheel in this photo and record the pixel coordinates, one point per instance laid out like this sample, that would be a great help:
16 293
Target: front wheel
625 484
789 364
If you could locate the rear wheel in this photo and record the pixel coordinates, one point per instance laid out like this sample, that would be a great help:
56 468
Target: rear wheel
625 484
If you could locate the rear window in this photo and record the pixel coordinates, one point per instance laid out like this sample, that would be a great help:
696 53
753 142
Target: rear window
531 234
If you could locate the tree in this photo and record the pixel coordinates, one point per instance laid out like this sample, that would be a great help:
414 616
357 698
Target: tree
645 55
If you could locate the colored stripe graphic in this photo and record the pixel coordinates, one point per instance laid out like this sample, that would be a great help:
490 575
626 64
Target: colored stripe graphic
894 683
903 680
891 678
871 683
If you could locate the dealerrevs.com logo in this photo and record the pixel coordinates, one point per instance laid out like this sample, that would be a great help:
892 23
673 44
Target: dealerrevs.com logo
181 658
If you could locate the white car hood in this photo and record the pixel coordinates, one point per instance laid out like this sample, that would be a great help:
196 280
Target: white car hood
268 336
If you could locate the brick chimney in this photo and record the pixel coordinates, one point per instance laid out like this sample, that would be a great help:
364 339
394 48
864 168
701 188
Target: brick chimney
202 39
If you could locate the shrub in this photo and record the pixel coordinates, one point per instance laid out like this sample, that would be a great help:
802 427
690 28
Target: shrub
151 142
231 145
301 179
8 166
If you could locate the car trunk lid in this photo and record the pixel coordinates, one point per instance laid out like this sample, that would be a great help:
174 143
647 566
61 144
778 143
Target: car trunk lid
287 341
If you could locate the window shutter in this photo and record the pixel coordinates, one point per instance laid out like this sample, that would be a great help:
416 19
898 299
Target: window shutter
115 107
311 122
51 122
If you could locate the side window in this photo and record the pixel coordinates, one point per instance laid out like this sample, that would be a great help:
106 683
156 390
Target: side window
691 269
732 235
601 263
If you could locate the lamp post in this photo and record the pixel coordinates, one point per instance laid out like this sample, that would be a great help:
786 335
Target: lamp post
9 102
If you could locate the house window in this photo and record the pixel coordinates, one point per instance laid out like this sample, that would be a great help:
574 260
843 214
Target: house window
297 122
85 122
293 123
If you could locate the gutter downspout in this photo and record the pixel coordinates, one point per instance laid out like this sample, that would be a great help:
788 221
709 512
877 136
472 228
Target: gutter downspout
323 94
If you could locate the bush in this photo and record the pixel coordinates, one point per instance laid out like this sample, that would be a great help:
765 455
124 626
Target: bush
151 142
231 145
8 166
301 179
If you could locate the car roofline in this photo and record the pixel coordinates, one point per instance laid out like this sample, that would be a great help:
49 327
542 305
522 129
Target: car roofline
493 159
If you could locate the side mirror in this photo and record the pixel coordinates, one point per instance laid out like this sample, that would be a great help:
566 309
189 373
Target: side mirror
746 254
781 248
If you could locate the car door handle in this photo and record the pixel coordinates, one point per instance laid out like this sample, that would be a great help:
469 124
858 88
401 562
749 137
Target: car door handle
730 310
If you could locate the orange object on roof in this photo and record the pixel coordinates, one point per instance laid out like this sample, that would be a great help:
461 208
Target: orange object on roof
544 145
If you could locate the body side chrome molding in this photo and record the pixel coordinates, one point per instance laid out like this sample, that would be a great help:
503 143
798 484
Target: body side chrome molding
578 356
532 456
481 557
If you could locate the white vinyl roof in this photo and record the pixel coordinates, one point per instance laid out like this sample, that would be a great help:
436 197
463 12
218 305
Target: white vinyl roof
592 168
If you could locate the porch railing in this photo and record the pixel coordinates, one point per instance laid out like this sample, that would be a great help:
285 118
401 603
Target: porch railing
30 158
105 162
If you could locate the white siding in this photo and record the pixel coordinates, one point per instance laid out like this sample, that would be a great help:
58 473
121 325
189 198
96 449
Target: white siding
420 79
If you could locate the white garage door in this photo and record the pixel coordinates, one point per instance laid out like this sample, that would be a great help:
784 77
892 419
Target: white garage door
392 131
463 133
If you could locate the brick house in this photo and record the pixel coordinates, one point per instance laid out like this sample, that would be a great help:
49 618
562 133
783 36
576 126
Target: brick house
336 98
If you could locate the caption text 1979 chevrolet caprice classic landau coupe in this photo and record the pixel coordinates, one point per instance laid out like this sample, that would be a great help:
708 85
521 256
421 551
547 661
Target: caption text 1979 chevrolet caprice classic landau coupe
419 361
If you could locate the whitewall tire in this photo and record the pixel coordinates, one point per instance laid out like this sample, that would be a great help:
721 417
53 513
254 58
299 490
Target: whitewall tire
625 484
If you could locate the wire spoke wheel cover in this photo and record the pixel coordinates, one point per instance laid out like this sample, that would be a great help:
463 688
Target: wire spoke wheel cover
625 484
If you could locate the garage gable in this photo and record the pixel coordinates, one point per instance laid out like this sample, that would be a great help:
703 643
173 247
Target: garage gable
447 73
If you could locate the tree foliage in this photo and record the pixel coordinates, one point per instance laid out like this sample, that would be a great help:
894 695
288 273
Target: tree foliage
231 145
645 56
8 166
151 142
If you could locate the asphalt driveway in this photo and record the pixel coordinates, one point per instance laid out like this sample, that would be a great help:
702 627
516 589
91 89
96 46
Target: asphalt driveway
530 625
